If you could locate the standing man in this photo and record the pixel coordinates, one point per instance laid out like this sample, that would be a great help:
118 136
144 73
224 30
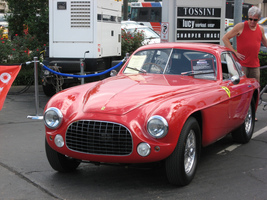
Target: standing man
249 36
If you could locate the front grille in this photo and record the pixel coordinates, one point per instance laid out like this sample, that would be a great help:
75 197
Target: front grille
97 137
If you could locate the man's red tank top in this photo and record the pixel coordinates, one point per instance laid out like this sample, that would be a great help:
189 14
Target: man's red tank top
248 43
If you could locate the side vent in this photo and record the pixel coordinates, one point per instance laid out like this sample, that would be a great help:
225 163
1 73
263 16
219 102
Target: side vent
80 14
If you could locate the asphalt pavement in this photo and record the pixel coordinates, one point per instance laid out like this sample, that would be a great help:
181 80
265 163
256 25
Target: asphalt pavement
226 171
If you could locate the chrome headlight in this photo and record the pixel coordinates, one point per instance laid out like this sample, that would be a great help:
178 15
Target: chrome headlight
53 118
59 141
143 149
157 126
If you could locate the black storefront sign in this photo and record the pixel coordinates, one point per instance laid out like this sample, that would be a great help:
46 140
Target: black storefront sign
198 12
198 24
197 35
185 23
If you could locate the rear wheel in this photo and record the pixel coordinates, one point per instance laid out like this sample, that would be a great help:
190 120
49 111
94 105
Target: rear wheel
48 89
244 133
60 162
181 165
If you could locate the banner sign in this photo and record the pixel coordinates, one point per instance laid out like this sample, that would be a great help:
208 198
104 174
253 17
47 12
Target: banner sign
185 23
198 35
200 24
8 74
198 12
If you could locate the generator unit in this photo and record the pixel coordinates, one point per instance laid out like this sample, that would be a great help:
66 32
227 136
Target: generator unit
87 31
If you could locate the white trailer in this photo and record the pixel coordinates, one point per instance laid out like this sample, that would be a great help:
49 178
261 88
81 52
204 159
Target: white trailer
82 29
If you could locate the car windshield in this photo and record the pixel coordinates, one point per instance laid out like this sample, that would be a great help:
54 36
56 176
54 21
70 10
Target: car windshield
173 61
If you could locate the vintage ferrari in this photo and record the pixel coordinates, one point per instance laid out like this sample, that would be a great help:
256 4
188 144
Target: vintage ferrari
167 102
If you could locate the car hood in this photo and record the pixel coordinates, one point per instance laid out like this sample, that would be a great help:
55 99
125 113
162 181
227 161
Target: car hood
121 94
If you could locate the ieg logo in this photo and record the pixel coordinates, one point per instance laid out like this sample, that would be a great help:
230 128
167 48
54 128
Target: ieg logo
5 77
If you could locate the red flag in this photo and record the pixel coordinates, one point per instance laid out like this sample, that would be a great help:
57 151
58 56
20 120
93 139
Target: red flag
8 74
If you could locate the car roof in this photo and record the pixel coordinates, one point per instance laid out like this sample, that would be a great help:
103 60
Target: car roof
207 47
132 26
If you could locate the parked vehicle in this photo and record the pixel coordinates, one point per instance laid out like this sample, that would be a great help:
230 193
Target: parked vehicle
263 48
167 101
80 34
148 14
125 23
263 21
150 35
3 20
3 26
3 32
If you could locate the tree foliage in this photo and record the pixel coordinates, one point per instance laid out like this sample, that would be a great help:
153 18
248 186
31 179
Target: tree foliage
29 16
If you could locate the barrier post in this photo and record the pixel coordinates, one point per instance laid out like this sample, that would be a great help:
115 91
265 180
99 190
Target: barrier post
36 90
82 70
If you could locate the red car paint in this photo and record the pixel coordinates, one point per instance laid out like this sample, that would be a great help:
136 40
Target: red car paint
131 99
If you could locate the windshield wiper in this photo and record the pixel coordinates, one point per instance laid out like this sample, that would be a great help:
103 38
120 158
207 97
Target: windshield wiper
139 70
192 73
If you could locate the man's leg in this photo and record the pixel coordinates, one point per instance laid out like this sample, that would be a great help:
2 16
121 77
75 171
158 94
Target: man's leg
252 72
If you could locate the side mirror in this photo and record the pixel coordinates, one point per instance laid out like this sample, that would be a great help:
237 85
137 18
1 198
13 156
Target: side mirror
235 79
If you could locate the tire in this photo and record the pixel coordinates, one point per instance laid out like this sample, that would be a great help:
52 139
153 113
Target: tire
49 90
60 162
244 133
181 165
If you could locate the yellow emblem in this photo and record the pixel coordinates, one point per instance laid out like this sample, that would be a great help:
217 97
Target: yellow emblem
227 91
103 108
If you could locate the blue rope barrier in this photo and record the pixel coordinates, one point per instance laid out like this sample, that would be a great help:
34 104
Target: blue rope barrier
82 76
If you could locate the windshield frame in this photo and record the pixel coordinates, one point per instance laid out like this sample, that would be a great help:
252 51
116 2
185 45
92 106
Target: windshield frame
197 63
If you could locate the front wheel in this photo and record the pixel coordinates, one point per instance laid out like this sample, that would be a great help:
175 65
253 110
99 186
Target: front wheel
244 133
181 165
60 162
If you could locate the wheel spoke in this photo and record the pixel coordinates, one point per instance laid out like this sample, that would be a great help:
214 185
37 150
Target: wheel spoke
190 151
248 121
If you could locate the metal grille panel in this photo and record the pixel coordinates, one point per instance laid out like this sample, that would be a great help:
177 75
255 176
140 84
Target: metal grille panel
80 14
97 137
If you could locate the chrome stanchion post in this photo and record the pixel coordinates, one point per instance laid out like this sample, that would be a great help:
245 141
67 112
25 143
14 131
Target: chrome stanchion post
36 89
127 56
82 66
82 70
35 59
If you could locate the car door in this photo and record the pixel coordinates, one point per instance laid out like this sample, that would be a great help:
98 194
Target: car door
239 97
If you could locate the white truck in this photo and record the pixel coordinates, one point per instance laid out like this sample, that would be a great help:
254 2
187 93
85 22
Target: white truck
81 33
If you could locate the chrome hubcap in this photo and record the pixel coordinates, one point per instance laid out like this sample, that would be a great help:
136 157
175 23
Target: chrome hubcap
190 151
248 121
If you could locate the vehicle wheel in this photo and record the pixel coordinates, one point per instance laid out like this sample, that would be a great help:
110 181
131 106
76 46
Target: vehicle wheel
181 165
49 90
244 133
60 162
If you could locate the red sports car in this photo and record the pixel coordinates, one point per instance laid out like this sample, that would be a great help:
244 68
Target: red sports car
166 102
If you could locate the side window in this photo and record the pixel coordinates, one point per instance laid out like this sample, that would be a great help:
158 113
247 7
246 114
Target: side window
238 65
199 64
228 66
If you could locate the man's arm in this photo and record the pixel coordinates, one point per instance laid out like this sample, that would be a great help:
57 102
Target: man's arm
237 30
